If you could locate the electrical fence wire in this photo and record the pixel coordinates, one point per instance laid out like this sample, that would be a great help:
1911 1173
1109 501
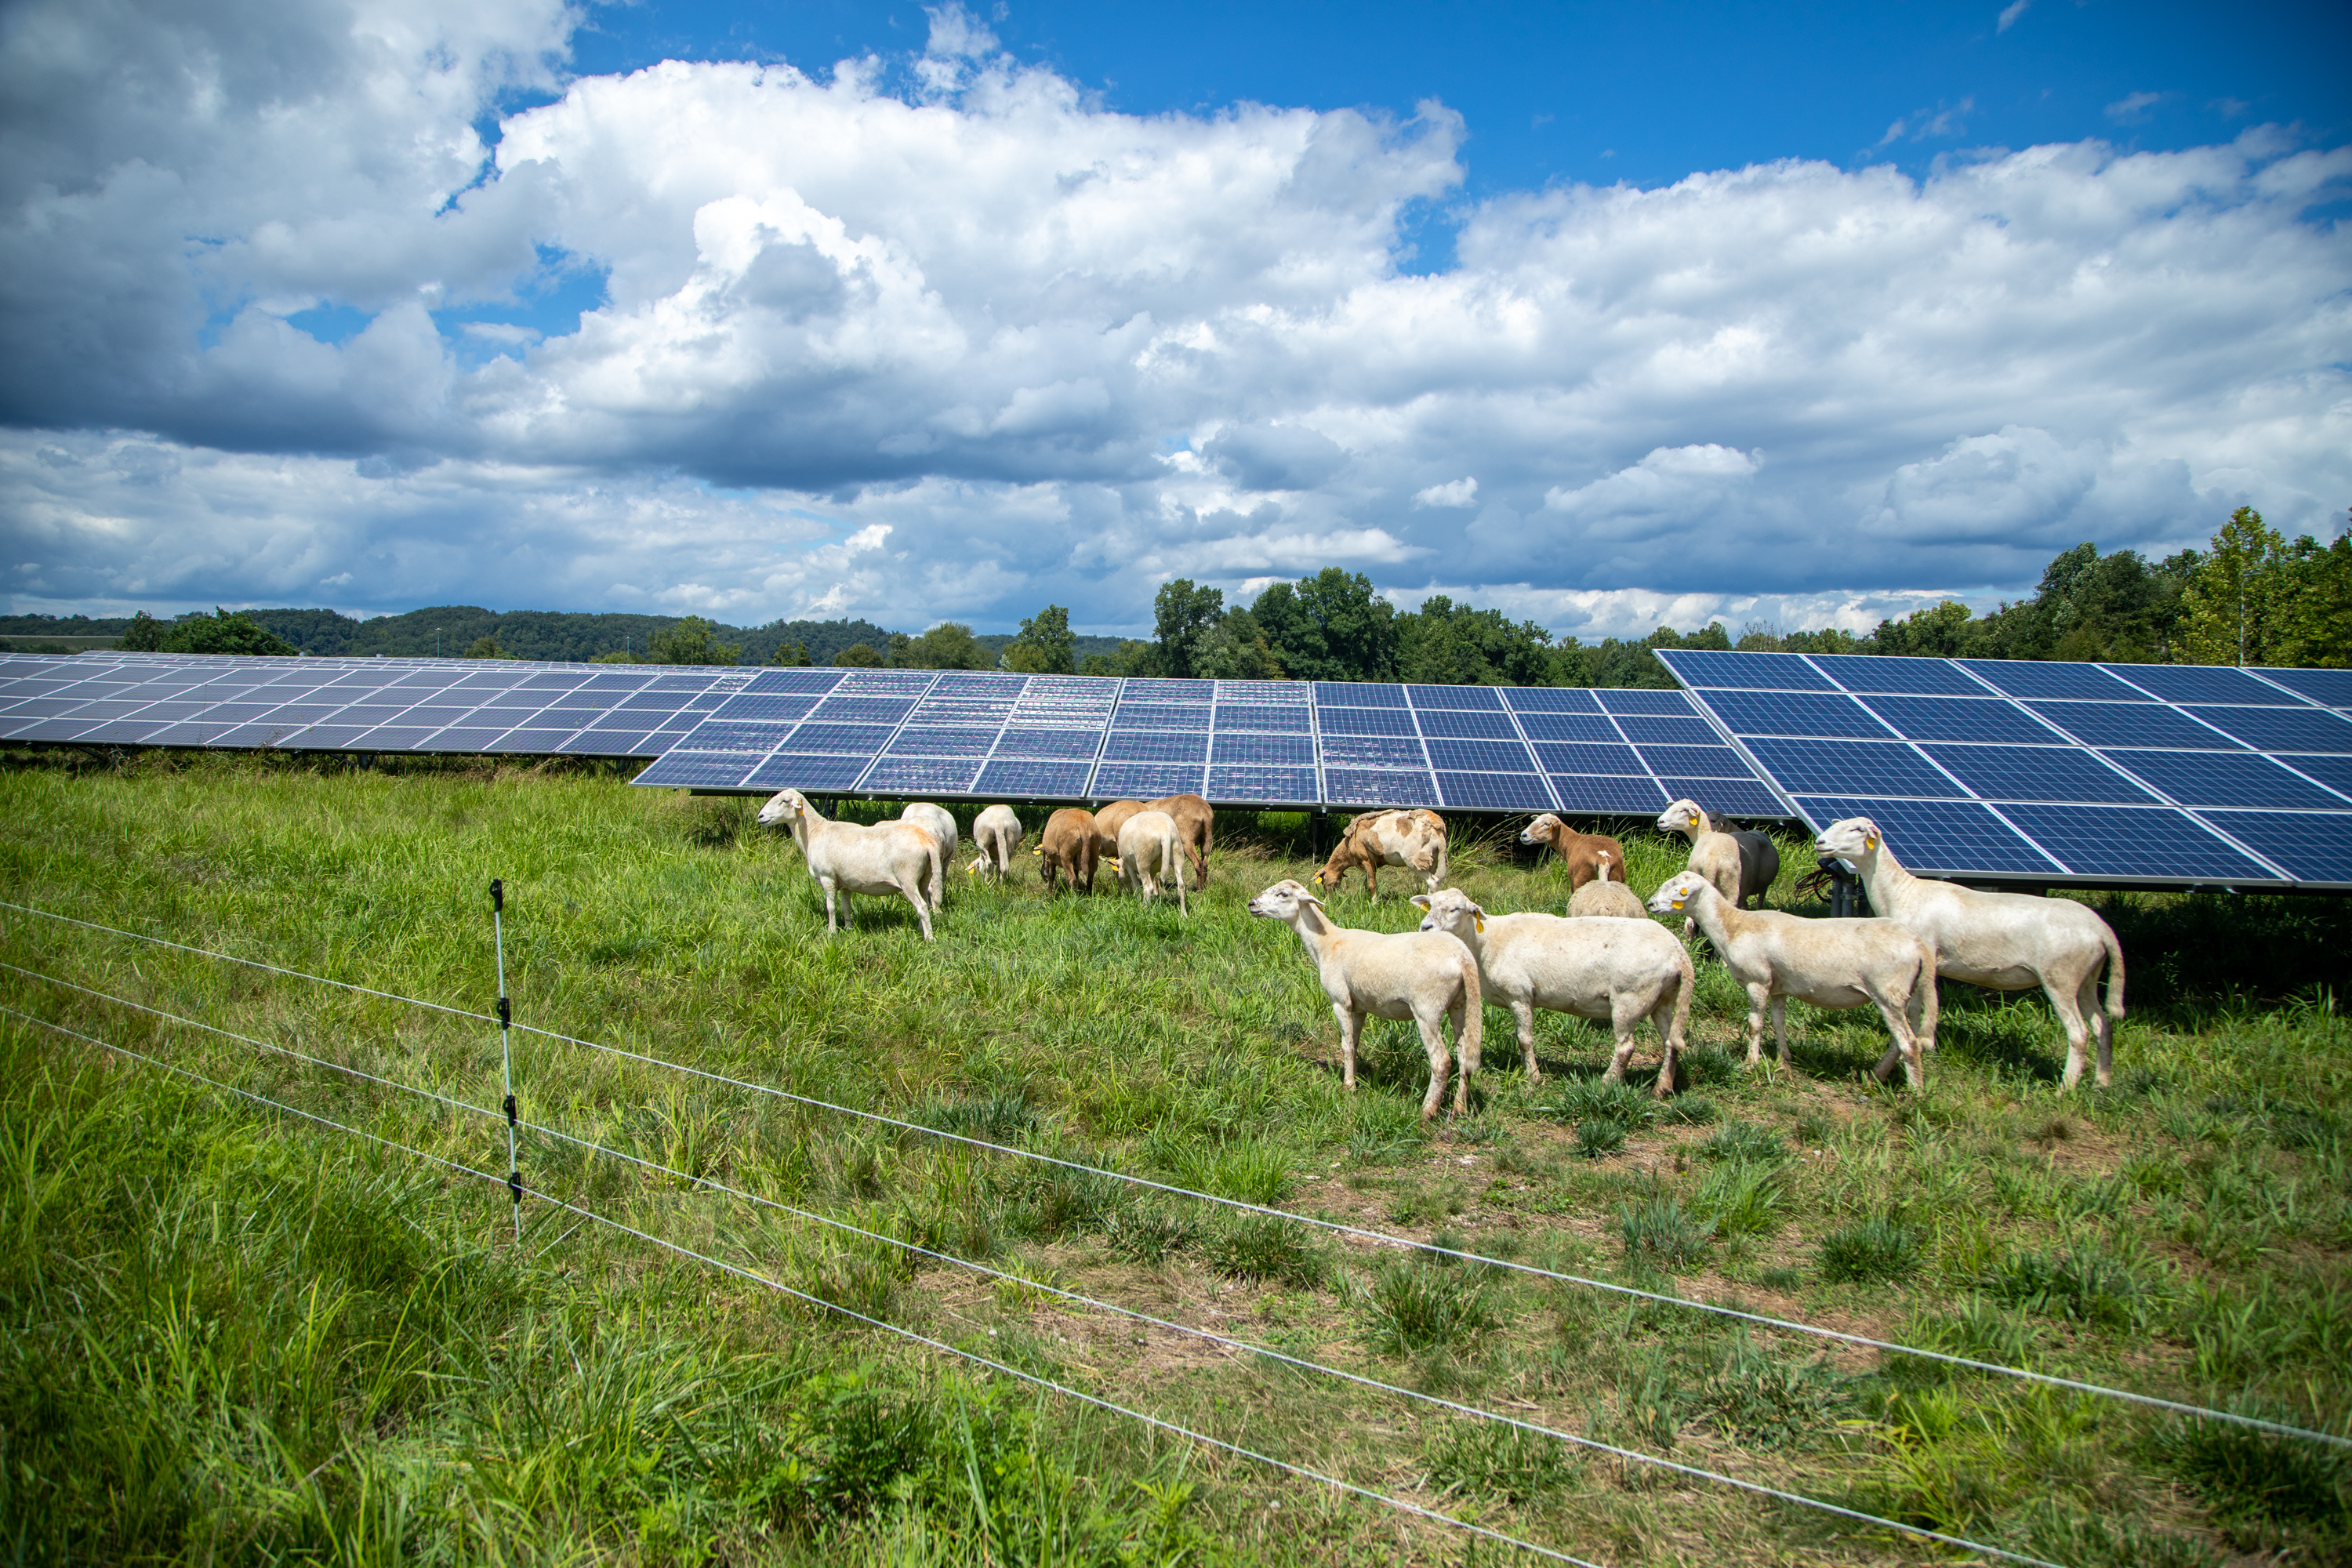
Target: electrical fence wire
1791 1325
1114 1309
1401 1505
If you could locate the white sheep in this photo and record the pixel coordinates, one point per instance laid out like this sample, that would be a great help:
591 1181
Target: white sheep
901 858
1831 964
1149 848
941 824
2003 942
996 833
1427 976
1594 967
1739 863
1602 896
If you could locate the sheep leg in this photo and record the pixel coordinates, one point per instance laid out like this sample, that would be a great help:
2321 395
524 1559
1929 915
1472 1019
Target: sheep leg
1780 1027
1759 997
1525 1011
1620 1028
1373 879
828 887
1662 1018
1905 1049
913 894
1432 1039
2077 1034
1350 1023
1182 907
2087 1001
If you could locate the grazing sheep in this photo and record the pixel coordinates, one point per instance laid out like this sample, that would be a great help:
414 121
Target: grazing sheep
1413 839
1427 976
1621 970
1582 852
997 833
2003 942
1739 863
901 858
941 824
1067 845
1148 849
1195 826
1602 896
1109 820
1831 964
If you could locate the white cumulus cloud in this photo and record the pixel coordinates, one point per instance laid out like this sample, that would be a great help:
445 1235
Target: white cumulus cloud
1453 493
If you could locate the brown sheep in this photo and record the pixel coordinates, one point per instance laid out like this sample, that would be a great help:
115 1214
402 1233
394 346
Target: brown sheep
1580 851
1195 826
1067 846
1109 820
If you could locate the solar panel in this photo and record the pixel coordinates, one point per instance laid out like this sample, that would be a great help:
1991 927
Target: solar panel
2039 772
1365 786
923 776
2278 729
2135 841
1293 719
1555 726
1636 700
1163 715
1364 722
1873 767
1894 675
2311 845
1157 746
1935 836
2124 724
842 739
2025 677
1263 785
1981 718
1488 726
1272 751
2225 779
1621 795
1484 698
1481 756
1794 713
787 771
1054 781
1023 740
1493 792
2201 683
2330 687
703 769
942 740
1704 761
1582 759
1550 699
1374 750
1645 730
2336 773
1147 781
1764 671
1726 797
1349 694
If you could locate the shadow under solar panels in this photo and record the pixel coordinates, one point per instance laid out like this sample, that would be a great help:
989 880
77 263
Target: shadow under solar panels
1876 768
2313 845
2040 773
2226 779
2124 724
1366 786
2281 729
1982 719
1935 836
2134 841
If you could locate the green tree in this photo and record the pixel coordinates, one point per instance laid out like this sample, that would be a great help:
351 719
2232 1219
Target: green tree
859 655
1133 658
2234 604
485 647
1045 645
1182 614
791 654
145 634
618 656
1330 627
690 642
1445 644
2317 619
1235 647
1943 631
224 631
948 646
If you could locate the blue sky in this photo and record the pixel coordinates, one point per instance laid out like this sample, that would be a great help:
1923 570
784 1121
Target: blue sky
1604 315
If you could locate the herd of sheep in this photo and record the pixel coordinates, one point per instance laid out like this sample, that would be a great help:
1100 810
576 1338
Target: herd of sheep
1605 959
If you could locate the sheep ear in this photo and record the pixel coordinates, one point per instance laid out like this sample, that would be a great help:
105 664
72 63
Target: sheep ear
1421 900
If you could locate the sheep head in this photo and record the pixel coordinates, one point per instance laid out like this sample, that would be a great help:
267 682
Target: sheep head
784 807
1285 901
1681 817
1450 910
1849 839
1678 891
1544 829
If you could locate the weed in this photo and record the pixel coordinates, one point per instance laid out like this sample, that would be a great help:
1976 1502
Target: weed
1660 1231
1743 1141
1149 1236
1598 1138
1695 1110
1741 1199
1874 1249
1486 1458
2049 1529
1409 1307
1704 1065
1765 1401
2084 1281
1600 1100
1005 1117
1429 1204
1781 1278
1263 1248
2260 1483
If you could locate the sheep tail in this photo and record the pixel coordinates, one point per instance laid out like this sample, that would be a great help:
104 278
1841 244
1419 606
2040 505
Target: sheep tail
2114 972
1601 858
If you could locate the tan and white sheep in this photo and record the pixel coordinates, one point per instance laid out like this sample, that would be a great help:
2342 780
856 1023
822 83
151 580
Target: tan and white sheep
1427 976
2003 942
901 858
1413 839
1621 970
1581 852
1148 849
996 833
1829 963
940 823
1196 822
1108 819
1604 897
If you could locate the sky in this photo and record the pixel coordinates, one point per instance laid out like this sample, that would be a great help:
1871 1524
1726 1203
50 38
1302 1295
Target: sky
1605 316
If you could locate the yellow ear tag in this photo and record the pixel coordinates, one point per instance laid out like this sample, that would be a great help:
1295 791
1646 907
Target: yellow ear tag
1478 925
1678 903
1870 841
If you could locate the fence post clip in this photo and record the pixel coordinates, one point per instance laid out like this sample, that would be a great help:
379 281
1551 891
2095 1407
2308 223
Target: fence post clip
498 896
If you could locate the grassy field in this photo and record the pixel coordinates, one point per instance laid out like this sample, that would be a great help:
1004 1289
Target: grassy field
232 1336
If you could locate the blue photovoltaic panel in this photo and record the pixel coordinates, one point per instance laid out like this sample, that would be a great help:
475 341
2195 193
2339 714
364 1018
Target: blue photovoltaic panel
621 742
1373 752
2124 724
862 710
1988 719
1352 694
1767 671
1480 756
2336 773
885 682
1363 786
840 740
587 744
1818 767
2313 845
722 737
1559 759
1635 701
1587 727
733 708
700 770
1274 786
1266 751
2333 687
935 711
1484 698
1493 792
2201 683
1794 713
1364 722
1647 732
1594 793
1288 693
1043 743
925 775
1062 781
2225 779
1702 761
1915 677
794 771
517 742
1935 836
2039 772
942 741
2280 728
1495 726
1549 700
1291 719
1163 715
2134 841
2057 682
1158 746
1147 781
1174 690
978 683
1728 797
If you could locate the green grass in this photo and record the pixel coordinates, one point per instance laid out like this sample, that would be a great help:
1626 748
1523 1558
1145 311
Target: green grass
233 1336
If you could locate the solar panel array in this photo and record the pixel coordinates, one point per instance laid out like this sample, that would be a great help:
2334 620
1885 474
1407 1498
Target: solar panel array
2052 772
952 733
